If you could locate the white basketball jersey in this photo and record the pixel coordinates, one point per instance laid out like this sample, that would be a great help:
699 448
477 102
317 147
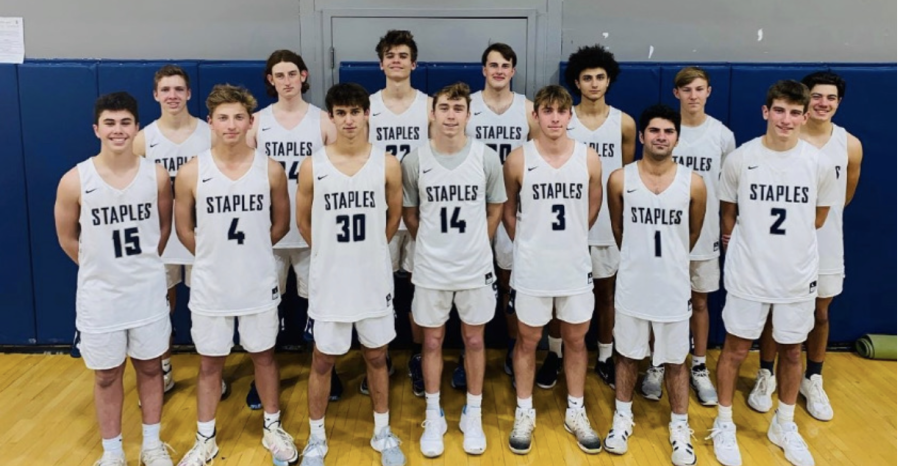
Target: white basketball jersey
703 154
350 273
773 253
234 269
453 251
831 235
655 249
607 141
121 278
398 134
550 250
503 132
172 156
289 147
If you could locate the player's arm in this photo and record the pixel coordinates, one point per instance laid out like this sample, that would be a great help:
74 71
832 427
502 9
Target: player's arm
305 193
629 136
409 168
281 201
185 201
329 131
698 208
393 190
164 201
67 211
595 185
728 212
614 187
854 166
495 194
727 192
140 144
512 177
533 127
251 135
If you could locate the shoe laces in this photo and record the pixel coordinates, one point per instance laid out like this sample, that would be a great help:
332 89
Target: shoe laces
816 391
762 381
622 423
791 438
582 425
161 452
725 435
110 459
655 374
315 448
701 377
432 428
524 424
681 432
388 439
282 438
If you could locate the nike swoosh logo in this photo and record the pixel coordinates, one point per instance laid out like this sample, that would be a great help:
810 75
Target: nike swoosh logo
320 177
266 129
207 180
90 191
426 171
570 129
477 113
154 145
631 190
531 168
753 167
376 114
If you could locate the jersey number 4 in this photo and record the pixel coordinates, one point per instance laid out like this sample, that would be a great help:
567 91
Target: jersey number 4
454 222
131 240
234 234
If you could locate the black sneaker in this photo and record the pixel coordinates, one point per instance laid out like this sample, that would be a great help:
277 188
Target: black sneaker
337 388
548 373
364 385
415 374
607 371
458 381
253 401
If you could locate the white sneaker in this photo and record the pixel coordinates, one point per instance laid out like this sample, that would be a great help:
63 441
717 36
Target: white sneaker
616 440
280 444
112 459
760 397
680 435
432 441
158 456
523 428
817 402
474 440
724 437
578 424
788 438
203 451
315 451
388 444
168 380
651 386
703 386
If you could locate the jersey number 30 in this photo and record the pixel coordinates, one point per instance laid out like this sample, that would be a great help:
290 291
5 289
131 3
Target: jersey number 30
353 228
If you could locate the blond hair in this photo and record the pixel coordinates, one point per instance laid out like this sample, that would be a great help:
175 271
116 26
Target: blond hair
552 95
228 94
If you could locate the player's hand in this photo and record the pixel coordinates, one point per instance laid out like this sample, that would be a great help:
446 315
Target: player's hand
725 239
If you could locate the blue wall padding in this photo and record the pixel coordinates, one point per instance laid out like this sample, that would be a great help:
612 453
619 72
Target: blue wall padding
443 75
63 93
16 297
249 74
720 79
136 78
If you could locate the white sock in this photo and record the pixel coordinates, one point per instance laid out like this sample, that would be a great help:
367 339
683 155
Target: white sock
151 436
432 405
676 418
605 352
269 419
381 421
697 360
576 403
555 345
725 414
317 428
474 401
113 445
624 407
167 364
207 429
524 403
785 413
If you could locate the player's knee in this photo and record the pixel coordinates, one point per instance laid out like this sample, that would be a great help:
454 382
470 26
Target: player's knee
821 316
735 354
376 358
107 377
790 354
528 341
699 306
474 342
433 342
265 358
148 369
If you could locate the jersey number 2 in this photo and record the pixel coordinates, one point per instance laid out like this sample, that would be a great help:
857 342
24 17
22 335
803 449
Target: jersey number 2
131 239
776 227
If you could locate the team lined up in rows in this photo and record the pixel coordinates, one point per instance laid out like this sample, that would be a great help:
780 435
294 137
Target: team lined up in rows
585 230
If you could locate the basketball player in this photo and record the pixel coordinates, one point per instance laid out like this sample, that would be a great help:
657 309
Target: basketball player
554 191
348 208
399 125
120 308
845 153
170 141
702 145
501 119
453 197
591 71
289 131
783 188
657 210
231 206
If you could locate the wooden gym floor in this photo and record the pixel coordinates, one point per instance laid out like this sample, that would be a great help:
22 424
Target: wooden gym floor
47 416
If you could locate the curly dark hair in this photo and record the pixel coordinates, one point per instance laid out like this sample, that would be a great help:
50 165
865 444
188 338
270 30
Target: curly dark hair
587 57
